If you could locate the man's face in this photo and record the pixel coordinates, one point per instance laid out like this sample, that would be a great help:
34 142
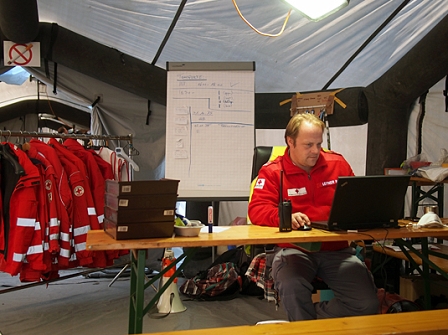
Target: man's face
304 150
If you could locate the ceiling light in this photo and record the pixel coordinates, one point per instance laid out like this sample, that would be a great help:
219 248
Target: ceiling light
316 10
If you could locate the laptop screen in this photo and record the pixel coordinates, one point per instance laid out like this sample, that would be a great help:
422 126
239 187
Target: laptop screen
366 202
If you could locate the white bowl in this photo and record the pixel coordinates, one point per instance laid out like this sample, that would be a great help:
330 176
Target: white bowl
188 230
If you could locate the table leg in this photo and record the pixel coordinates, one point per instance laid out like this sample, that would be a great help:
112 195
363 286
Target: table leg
427 264
426 279
137 287
137 308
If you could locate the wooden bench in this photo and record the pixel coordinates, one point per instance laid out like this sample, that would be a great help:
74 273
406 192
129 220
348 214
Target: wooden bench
423 322
421 260
440 262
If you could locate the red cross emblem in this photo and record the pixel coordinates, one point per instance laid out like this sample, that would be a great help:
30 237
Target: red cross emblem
78 191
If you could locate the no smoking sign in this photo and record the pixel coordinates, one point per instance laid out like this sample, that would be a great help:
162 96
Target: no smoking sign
17 54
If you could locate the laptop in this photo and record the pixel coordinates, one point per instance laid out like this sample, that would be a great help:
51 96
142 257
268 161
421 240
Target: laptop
366 202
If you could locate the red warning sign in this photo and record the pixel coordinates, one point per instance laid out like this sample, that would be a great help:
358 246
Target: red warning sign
16 54
20 54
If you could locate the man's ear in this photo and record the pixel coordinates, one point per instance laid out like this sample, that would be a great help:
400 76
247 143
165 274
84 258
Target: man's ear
290 141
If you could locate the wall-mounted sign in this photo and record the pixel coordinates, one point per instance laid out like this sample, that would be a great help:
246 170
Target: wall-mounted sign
18 54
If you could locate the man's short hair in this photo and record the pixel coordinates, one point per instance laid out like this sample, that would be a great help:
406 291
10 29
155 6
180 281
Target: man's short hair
292 129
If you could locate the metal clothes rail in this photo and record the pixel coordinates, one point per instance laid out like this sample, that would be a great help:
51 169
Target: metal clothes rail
9 133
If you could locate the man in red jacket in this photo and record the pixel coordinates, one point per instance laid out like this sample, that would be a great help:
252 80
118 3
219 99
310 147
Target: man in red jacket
309 181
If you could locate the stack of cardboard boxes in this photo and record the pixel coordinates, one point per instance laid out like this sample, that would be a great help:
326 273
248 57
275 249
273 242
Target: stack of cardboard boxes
140 209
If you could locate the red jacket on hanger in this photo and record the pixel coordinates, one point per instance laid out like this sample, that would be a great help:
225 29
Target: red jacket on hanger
85 217
64 204
96 179
23 207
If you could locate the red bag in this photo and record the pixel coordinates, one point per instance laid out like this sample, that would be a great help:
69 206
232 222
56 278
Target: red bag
394 303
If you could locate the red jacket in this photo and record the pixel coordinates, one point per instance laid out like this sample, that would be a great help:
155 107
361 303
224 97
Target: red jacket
84 217
95 177
311 194
23 228
64 203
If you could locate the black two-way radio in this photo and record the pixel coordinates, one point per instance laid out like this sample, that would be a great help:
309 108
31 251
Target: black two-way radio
284 210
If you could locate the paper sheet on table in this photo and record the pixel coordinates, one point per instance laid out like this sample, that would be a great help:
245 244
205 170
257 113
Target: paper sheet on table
216 229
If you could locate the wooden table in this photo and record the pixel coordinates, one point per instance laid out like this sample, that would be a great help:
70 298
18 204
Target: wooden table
412 323
234 235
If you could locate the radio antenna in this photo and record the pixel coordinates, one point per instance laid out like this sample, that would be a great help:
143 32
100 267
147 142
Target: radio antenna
281 186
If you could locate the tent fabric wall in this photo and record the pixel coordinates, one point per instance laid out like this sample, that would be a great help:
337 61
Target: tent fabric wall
120 113
66 48
391 96
434 129
33 98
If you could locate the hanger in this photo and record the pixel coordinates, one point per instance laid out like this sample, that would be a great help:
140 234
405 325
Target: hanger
5 152
97 146
120 153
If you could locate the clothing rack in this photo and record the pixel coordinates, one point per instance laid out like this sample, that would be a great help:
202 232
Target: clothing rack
21 133
8 134
34 134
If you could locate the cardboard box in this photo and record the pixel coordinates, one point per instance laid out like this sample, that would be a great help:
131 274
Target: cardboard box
139 215
140 230
314 103
142 187
412 287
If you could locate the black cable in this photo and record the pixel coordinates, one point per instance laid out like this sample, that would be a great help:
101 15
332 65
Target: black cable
170 30
445 93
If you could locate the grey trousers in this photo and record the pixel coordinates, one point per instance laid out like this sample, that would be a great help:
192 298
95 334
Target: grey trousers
347 276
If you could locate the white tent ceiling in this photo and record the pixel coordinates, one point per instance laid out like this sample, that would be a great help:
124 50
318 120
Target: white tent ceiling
303 58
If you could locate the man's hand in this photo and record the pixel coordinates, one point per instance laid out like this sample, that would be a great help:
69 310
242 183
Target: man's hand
299 220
